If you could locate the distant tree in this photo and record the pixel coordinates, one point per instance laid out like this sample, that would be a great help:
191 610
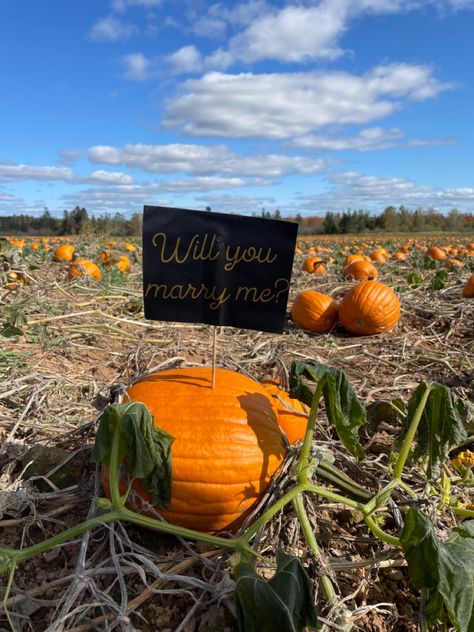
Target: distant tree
330 225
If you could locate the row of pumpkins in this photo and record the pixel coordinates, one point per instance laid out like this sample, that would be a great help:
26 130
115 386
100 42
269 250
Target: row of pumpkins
361 268
85 267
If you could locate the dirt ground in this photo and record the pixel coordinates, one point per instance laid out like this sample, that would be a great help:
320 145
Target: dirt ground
80 343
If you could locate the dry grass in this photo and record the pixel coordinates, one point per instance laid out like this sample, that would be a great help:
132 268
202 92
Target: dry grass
81 343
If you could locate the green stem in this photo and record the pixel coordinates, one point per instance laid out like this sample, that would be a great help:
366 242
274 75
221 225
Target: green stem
303 460
310 538
7 594
465 513
71 533
379 533
339 479
410 435
270 512
326 493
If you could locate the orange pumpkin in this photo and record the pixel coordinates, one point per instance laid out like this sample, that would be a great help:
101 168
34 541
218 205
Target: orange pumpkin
64 253
378 256
314 265
122 263
227 444
82 267
292 414
350 258
360 270
468 289
435 253
369 308
453 263
314 311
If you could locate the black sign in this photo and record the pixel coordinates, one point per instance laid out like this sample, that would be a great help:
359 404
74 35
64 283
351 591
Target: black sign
214 268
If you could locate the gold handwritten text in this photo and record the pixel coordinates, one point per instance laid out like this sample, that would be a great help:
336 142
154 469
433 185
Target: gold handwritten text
182 291
247 255
199 248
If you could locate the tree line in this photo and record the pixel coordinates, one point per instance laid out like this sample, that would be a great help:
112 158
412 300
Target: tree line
391 220
75 222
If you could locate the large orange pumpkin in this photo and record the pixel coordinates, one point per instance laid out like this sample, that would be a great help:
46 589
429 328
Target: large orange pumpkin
292 414
314 311
350 258
64 253
82 267
227 443
435 253
360 270
369 308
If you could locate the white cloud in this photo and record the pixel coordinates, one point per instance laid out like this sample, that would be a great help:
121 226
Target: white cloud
18 172
355 190
122 5
203 160
187 59
369 139
285 105
296 33
136 67
109 177
293 34
111 29
11 203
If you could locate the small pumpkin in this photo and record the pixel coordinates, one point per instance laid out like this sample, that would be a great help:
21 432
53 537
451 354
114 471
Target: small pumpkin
227 444
65 252
314 311
369 308
122 263
82 267
292 414
360 270
468 289
378 256
314 265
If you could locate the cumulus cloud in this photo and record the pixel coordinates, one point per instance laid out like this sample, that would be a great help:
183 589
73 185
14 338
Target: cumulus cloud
122 5
111 29
369 139
136 67
10 172
187 59
354 190
285 105
109 177
10 203
296 33
203 160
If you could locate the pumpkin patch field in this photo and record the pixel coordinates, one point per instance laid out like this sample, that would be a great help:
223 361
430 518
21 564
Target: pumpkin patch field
325 481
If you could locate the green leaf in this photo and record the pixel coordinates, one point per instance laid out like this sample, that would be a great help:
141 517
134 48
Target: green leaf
285 603
445 568
465 410
414 278
146 447
343 408
441 427
10 331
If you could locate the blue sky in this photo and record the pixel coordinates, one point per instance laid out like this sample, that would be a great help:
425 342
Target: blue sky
302 106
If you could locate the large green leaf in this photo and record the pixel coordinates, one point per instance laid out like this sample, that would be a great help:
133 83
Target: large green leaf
343 408
445 568
146 447
285 603
441 426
